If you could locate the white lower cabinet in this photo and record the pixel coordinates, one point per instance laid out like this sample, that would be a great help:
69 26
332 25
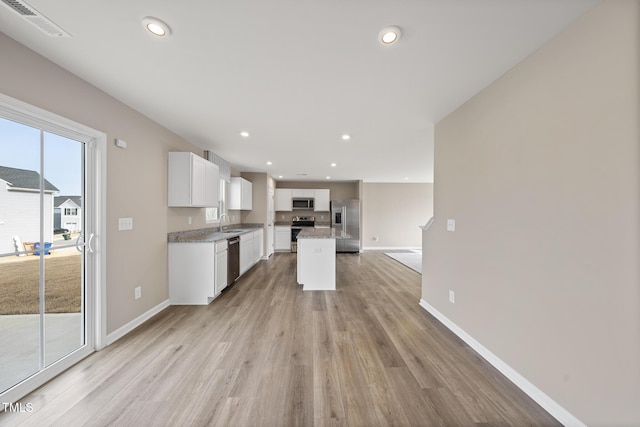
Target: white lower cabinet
246 252
198 270
283 238
258 242
221 266
191 273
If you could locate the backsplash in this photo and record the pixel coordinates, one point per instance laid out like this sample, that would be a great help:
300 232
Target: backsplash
287 216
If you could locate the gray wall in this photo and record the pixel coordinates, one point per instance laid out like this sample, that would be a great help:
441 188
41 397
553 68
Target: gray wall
540 171
392 213
136 177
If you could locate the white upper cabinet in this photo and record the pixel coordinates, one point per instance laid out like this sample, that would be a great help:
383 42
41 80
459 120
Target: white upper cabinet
193 181
322 200
240 194
303 193
282 199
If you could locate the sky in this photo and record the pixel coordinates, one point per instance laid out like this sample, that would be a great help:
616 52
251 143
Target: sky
20 148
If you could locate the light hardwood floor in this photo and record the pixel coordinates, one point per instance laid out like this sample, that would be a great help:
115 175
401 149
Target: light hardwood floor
267 353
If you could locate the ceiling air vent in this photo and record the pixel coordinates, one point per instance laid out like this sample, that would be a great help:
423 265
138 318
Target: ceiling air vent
35 18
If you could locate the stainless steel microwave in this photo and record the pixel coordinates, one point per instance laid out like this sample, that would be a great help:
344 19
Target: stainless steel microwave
302 204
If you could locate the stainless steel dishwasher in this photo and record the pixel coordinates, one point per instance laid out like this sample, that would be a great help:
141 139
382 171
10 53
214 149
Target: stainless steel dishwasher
233 259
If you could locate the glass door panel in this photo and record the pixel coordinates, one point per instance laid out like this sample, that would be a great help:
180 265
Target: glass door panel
19 231
64 314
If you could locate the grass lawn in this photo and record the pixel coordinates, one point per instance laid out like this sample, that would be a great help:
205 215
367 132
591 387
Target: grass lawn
19 285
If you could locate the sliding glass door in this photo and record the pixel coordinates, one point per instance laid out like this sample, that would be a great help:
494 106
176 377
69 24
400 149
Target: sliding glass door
47 291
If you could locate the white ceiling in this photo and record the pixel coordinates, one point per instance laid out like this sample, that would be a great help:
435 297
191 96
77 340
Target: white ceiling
297 74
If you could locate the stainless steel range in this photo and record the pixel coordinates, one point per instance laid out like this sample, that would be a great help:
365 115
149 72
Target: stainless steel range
298 223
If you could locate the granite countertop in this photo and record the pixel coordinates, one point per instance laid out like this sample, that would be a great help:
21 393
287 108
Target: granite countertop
212 234
323 233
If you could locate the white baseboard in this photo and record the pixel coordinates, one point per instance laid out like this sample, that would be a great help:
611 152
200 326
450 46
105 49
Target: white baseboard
551 406
125 329
392 248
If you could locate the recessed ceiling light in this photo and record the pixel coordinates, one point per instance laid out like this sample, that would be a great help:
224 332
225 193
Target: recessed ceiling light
269 163
346 137
280 176
389 35
328 177
156 26
244 134
406 178
333 165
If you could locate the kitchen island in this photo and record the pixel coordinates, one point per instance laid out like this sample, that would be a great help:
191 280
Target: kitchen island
316 262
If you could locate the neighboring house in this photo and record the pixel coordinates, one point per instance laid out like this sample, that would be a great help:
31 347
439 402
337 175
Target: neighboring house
20 207
67 213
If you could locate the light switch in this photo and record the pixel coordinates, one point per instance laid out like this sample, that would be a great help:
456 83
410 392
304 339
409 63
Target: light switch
125 224
451 225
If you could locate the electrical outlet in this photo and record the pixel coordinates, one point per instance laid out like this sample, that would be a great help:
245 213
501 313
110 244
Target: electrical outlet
452 297
138 292
190 221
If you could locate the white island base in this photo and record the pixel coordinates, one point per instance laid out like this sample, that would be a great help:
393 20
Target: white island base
317 264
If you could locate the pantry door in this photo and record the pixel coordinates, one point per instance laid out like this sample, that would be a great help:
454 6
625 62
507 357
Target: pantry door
47 247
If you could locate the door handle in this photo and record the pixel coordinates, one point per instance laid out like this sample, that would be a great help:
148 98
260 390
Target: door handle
86 244
78 242
89 242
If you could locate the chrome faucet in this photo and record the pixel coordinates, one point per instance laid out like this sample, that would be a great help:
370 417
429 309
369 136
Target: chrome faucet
220 219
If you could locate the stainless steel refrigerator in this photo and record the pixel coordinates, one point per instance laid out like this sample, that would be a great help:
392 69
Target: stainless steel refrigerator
345 215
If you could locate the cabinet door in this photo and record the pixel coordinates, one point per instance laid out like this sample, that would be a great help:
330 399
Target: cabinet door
283 238
212 184
302 193
221 271
322 200
257 245
235 193
246 252
247 195
191 273
198 181
283 199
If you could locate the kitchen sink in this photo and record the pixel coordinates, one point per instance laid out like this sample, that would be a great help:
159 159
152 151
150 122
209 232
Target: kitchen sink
232 231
